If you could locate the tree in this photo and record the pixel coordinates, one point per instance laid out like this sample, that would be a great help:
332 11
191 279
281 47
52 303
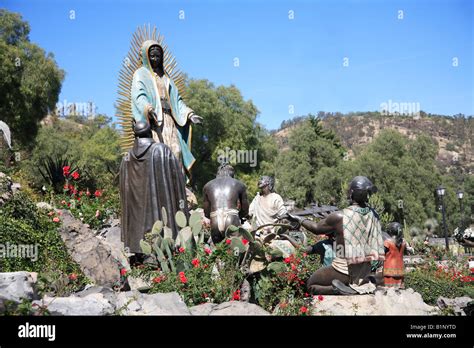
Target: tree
89 145
229 122
404 172
31 80
311 149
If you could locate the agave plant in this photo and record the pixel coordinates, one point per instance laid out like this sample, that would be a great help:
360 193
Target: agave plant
52 171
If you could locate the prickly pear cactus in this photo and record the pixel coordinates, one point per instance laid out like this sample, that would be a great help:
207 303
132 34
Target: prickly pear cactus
160 240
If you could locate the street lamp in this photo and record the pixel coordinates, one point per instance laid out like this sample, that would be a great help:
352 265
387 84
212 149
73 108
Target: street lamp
460 195
440 191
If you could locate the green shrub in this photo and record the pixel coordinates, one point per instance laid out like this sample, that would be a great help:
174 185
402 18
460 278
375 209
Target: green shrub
468 291
431 287
450 147
20 207
282 286
23 227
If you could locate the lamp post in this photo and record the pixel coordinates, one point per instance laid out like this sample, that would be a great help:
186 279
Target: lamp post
400 206
440 192
460 195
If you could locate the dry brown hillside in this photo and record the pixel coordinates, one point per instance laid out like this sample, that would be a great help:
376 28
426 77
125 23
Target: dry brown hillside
454 135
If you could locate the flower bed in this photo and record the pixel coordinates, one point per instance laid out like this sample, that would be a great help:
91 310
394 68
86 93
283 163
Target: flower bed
91 207
451 280
202 275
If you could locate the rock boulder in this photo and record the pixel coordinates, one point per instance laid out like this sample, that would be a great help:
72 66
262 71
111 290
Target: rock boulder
383 302
136 303
15 286
92 304
228 308
97 259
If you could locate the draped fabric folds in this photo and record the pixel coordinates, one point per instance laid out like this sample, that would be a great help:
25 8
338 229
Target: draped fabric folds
150 178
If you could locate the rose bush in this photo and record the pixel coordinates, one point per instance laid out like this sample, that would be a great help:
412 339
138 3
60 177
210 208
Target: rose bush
94 208
452 279
281 287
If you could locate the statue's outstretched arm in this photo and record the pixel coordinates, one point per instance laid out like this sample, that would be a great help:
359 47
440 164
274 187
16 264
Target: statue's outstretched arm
325 226
188 112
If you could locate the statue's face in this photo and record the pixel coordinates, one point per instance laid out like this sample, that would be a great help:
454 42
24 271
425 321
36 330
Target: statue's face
265 182
156 57
262 183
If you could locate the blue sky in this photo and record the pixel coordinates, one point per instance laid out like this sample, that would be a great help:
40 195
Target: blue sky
283 61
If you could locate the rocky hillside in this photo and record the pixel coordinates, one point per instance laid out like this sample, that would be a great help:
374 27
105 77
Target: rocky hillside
453 134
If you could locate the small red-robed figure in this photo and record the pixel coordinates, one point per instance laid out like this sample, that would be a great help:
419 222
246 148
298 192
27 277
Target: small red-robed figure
395 248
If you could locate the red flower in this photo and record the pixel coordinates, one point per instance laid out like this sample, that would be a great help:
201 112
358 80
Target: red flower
195 263
56 219
305 254
227 241
236 295
66 170
75 175
320 297
51 213
158 279
66 187
287 260
245 241
304 309
63 202
88 193
73 276
207 251
205 295
123 272
78 199
293 267
97 193
182 278
181 250
306 294
69 204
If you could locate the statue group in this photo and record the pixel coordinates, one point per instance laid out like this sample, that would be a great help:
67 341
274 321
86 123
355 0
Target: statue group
158 127
157 165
